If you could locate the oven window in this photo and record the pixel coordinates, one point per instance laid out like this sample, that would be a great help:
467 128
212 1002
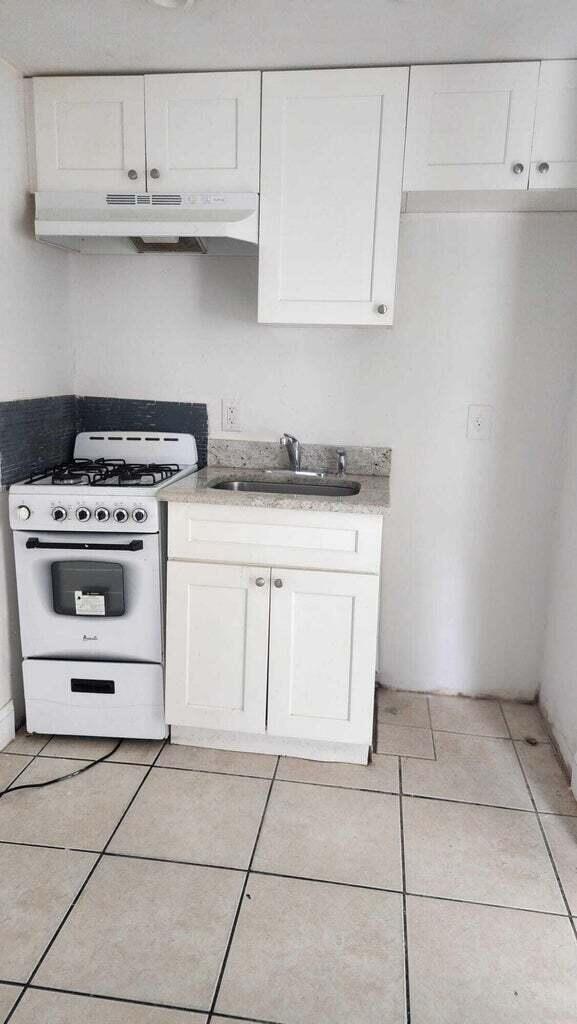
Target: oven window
86 588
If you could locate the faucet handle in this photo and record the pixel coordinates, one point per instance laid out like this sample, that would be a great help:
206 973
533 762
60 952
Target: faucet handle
341 461
287 439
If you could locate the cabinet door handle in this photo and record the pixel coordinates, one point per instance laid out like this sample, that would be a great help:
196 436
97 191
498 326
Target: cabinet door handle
543 167
518 168
278 583
260 581
155 173
133 175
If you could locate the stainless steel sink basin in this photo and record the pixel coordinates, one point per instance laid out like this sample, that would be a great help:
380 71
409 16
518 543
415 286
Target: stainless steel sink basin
327 490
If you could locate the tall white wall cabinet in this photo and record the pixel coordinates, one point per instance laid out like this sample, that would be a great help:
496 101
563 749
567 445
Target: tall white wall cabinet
331 179
156 133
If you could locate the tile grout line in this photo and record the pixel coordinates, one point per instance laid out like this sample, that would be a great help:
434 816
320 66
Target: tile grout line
543 833
111 999
428 702
80 891
228 947
404 898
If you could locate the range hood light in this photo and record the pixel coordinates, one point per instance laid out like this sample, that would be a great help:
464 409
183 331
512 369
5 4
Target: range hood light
173 4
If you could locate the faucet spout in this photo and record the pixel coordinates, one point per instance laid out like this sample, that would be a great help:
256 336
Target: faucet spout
293 448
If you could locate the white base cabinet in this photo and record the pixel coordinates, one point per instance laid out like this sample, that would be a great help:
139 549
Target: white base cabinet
277 658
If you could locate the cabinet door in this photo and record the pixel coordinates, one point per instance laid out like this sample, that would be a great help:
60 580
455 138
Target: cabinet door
89 133
216 646
470 126
554 160
203 132
323 635
332 156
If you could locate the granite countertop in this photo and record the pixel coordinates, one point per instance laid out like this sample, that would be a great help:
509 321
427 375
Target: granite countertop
373 498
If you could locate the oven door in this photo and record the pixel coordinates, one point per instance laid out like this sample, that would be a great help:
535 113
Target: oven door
90 595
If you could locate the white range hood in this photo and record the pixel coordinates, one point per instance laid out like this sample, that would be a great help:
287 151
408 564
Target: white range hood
213 224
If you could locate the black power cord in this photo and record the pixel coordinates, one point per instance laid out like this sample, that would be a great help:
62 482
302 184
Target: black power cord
61 778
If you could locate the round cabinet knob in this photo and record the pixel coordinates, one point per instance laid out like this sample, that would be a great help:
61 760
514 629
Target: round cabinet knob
543 168
120 515
83 514
518 168
140 515
155 173
382 309
133 175
23 512
260 581
59 513
102 515
278 584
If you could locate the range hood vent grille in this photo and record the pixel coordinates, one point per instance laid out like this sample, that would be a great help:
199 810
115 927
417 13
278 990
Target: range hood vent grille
141 199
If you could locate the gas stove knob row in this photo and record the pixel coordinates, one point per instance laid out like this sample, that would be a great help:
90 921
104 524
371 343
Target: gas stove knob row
102 515
59 513
83 514
140 515
120 515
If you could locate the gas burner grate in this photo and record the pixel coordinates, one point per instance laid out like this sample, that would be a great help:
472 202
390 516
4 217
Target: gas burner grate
145 475
106 473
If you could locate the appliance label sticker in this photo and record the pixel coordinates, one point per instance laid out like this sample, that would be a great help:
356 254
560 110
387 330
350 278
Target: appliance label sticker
89 604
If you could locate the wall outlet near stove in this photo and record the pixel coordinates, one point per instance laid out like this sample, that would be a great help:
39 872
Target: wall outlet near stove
480 422
230 414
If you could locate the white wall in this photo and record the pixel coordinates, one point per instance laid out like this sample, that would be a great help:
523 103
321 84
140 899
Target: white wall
487 313
558 695
35 349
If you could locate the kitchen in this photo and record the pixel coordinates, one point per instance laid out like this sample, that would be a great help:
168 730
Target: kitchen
477 564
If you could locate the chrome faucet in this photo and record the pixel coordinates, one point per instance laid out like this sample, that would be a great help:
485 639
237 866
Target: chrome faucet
341 461
293 448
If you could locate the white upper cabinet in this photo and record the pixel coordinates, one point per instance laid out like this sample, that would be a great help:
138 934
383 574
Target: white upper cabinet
89 133
554 162
470 126
203 132
331 176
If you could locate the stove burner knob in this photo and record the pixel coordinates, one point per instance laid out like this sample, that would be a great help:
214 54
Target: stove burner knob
120 515
140 515
102 515
82 514
23 512
59 513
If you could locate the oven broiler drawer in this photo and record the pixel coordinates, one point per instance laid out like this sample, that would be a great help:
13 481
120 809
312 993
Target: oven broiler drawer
87 698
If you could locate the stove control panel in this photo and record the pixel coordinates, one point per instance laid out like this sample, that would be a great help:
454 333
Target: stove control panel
138 514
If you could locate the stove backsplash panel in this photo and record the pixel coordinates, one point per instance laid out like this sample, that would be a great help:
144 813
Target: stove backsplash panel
36 433
139 414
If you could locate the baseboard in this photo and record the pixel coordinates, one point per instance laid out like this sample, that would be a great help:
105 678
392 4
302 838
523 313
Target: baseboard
7 724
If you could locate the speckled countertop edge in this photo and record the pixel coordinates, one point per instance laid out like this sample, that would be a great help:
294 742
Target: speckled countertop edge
373 498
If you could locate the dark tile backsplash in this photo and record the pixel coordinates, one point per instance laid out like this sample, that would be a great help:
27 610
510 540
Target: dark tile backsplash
39 432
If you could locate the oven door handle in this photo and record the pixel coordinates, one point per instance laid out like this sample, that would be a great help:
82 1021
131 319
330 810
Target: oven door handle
35 542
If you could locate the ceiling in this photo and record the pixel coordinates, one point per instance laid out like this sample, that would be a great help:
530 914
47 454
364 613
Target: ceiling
70 36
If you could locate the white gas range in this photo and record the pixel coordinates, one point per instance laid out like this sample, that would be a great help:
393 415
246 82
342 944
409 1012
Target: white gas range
89 540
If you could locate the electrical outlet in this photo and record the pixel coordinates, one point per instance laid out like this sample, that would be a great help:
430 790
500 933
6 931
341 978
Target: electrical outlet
480 422
230 414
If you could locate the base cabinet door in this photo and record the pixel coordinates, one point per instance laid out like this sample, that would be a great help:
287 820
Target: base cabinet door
554 161
470 126
322 655
331 170
217 645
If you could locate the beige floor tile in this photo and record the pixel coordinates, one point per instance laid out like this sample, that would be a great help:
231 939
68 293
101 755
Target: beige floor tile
315 953
381 775
194 816
524 720
483 965
338 835
10 766
146 930
397 708
549 786
26 743
38 886
8 996
475 769
408 742
90 748
561 833
468 715
39 1007
80 812
137 751
231 762
483 854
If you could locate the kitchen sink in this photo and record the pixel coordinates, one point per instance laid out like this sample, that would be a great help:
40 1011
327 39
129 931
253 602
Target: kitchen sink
327 490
